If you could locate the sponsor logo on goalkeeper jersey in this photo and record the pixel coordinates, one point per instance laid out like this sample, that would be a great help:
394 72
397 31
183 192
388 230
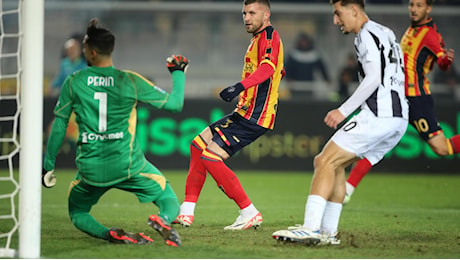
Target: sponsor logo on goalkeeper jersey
97 81
94 137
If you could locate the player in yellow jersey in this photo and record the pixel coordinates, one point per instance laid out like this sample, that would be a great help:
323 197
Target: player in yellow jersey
422 45
253 116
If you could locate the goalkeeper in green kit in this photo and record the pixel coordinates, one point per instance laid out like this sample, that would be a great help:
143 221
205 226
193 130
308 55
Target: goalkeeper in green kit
104 101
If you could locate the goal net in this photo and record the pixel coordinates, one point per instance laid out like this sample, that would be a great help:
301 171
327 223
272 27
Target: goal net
21 106
10 42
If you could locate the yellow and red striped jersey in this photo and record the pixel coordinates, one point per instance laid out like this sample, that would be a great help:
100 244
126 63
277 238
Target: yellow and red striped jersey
421 45
259 103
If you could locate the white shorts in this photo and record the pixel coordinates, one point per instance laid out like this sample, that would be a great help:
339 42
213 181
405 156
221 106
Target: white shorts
369 136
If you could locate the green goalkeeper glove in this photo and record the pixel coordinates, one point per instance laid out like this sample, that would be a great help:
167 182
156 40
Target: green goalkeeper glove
48 178
177 62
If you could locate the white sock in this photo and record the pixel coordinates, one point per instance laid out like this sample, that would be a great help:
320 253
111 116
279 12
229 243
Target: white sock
331 217
314 211
187 208
349 189
249 212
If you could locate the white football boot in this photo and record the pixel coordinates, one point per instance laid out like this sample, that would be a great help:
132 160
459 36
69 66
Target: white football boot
245 223
298 234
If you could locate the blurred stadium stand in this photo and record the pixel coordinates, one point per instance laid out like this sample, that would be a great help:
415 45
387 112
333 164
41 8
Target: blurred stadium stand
212 36
442 2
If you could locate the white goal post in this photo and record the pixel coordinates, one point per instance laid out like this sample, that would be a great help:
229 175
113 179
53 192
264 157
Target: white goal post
28 57
31 141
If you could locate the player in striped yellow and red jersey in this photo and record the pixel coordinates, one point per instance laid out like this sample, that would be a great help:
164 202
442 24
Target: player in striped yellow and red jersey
253 116
422 45
258 102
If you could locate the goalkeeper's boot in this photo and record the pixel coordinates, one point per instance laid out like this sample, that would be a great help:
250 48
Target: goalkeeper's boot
298 234
119 236
242 223
168 233
184 220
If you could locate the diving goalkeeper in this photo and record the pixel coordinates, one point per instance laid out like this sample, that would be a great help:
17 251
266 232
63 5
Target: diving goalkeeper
104 100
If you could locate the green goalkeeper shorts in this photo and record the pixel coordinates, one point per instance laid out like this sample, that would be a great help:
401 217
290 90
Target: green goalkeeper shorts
148 186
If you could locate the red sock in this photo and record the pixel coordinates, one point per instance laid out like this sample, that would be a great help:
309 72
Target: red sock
226 180
361 168
455 142
196 172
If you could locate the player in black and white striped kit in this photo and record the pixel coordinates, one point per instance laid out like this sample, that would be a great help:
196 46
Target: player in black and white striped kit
380 96
370 134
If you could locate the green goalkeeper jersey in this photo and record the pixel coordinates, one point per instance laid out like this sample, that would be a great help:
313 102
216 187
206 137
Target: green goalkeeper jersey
104 101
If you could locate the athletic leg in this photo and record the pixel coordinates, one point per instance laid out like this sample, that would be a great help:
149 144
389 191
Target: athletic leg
225 178
195 179
196 176
168 204
81 199
357 173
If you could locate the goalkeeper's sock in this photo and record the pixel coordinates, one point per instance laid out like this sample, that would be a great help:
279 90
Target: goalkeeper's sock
86 223
361 168
169 209
196 173
453 144
226 180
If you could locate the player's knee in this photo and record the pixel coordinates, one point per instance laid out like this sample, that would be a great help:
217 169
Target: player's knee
319 161
78 219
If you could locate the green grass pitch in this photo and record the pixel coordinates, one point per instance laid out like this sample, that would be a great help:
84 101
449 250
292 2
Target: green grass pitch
390 216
